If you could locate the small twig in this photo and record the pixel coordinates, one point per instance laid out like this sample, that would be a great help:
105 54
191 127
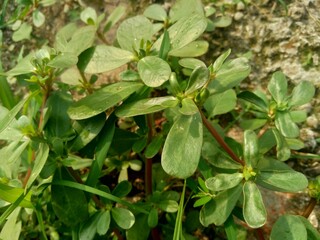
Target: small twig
219 139
307 211
102 38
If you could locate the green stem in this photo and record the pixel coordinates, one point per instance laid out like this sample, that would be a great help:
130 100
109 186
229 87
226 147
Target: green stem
219 139
148 164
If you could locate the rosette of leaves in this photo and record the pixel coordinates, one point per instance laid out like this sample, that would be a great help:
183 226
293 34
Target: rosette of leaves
280 112
228 188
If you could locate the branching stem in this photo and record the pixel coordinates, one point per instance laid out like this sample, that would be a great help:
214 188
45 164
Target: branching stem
219 139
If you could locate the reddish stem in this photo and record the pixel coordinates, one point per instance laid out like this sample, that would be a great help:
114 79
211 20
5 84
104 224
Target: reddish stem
309 208
148 166
219 139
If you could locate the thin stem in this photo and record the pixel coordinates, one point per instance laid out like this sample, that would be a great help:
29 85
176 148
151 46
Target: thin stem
312 203
259 234
102 38
148 165
219 139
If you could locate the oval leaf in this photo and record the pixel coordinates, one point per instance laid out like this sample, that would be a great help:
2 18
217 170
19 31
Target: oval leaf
123 217
106 58
221 103
288 227
251 148
302 94
285 125
153 218
193 49
103 222
146 106
184 31
132 31
122 189
278 87
155 12
153 71
191 63
102 99
199 77
254 211
218 210
223 181
181 160
283 181
230 75
188 107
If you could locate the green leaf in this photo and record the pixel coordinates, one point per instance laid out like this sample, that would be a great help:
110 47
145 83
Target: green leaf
88 229
254 211
191 63
12 228
188 107
103 222
192 49
223 181
146 106
312 232
285 125
278 176
92 190
185 8
221 103
11 194
64 60
22 33
101 151
278 87
154 146
123 217
199 77
114 17
218 210
87 130
155 12
168 206
201 201
301 94
102 99
254 99
165 46
153 71
129 75
153 218
181 160
177 235
122 189
283 151
38 18
231 228
135 233
132 31
220 60
41 158
223 21
294 144
298 116
184 31
10 116
81 40
250 148
230 75
252 124
58 123
69 204
106 58
89 16
288 227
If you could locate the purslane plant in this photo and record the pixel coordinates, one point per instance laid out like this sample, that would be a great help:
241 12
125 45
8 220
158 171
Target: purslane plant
162 114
